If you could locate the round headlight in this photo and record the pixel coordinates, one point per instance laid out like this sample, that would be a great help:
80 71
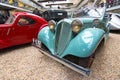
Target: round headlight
76 26
52 24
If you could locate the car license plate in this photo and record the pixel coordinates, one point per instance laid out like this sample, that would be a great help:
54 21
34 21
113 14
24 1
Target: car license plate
37 43
60 14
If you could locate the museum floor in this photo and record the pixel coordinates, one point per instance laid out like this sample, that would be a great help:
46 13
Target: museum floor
25 62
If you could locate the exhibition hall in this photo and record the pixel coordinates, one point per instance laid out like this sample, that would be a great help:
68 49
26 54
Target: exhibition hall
59 39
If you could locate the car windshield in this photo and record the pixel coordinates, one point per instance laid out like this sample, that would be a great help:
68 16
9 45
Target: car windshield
10 19
85 12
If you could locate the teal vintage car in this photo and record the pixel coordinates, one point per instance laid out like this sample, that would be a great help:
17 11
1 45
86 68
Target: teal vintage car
73 41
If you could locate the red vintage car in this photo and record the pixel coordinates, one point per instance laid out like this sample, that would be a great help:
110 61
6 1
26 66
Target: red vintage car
20 28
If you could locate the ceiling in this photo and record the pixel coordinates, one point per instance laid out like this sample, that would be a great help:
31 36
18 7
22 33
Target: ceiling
55 4
10 7
62 4
4 6
49 0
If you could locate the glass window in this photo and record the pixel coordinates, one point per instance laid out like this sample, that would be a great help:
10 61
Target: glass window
10 19
25 21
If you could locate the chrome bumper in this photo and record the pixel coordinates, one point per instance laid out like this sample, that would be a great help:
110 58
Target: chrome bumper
77 68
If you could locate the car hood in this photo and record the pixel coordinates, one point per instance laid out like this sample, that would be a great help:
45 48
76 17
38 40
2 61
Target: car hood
64 28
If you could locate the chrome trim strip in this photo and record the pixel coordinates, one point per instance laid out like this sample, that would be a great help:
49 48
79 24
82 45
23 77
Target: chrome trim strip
8 31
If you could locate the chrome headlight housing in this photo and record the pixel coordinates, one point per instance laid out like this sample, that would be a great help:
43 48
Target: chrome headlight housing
52 24
76 26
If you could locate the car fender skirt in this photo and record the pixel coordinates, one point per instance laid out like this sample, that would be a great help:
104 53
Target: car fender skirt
85 43
46 36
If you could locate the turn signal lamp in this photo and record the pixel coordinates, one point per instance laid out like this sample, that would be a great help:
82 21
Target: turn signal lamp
52 24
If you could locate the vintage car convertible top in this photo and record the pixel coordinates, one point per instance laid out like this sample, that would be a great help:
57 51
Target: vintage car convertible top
73 41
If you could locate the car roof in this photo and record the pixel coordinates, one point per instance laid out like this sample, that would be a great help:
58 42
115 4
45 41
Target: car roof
24 13
36 17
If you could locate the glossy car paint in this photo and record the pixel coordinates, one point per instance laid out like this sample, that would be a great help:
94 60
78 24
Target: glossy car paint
63 42
115 21
81 45
13 34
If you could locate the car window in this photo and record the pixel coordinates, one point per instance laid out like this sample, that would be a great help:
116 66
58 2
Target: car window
25 21
10 19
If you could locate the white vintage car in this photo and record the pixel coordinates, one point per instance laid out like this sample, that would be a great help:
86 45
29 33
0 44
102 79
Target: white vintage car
115 21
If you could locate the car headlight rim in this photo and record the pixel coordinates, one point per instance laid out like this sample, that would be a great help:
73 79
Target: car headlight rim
76 26
52 24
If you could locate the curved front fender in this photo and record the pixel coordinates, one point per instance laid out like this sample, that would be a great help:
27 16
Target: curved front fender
46 36
84 44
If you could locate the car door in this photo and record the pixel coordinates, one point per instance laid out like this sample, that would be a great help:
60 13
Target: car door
24 29
27 29
33 28
19 32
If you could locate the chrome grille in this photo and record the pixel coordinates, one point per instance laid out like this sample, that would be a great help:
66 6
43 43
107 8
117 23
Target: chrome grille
62 37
